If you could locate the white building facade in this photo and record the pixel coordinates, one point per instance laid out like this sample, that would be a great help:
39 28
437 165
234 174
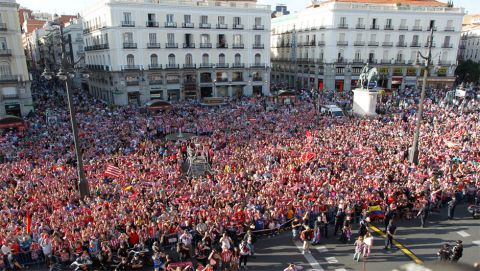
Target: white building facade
74 48
143 50
15 94
325 45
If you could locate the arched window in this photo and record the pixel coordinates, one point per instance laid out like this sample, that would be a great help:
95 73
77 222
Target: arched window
238 58
205 59
154 60
5 68
130 60
258 58
221 59
171 59
188 59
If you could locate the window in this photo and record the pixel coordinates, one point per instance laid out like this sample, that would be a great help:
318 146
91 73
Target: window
171 59
221 41
221 58
237 21
401 39
170 18
205 38
221 19
342 37
258 59
188 59
128 37
415 40
417 23
400 56
170 38
130 60
358 55
205 59
343 21
258 20
388 24
154 60
359 36
237 39
187 19
374 23
204 19
258 39
432 24
188 39
446 41
320 57
387 37
5 68
152 38
340 55
373 37
127 17
386 55
238 59
371 57
403 23
360 21
151 17
3 43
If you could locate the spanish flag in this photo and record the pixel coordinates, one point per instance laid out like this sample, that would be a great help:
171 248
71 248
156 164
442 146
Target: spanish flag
28 222
376 211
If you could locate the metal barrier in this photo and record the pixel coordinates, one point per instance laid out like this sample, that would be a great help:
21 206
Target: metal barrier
30 258
169 241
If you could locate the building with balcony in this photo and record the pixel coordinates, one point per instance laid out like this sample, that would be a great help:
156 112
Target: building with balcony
144 50
325 45
74 48
15 94
470 41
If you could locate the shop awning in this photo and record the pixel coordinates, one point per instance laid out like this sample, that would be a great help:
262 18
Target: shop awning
158 105
286 93
12 122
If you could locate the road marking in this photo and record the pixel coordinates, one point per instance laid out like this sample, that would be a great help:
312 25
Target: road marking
476 242
331 260
463 233
311 260
322 249
340 269
405 250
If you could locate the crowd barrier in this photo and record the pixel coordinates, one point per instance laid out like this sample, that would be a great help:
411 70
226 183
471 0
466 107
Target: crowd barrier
30 258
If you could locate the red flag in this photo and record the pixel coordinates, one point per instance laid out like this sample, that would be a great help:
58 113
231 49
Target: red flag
28 222
113 171
308 134
58 168
307 156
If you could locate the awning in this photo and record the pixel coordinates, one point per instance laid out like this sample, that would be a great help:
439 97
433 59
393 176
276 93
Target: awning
158 105
12 122
286 93
438 79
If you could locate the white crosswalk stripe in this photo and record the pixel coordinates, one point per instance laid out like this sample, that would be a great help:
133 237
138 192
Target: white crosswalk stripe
463 233
322 249
476 242
311 260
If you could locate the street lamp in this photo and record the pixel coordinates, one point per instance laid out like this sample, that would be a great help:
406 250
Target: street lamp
414 153
66 73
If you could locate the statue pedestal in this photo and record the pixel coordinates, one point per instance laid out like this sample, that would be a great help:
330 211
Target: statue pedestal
365 101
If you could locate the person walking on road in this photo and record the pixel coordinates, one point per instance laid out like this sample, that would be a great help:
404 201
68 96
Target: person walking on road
306 236
457 251
391 229
444 253
451 208
358 248
423 214
296 227
367 245
339 219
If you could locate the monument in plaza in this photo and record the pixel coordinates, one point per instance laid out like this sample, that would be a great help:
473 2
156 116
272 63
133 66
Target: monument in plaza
365 95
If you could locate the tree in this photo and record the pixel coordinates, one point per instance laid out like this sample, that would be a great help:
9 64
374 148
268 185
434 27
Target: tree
468 71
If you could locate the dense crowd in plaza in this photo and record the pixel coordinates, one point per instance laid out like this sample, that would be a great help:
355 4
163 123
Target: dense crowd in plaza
270 169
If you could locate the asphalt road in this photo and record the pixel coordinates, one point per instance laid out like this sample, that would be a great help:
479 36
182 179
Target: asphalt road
275 253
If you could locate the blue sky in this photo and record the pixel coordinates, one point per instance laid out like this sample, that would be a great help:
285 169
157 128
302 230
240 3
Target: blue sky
75 6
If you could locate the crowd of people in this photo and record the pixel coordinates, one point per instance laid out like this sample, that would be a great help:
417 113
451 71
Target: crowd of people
269 169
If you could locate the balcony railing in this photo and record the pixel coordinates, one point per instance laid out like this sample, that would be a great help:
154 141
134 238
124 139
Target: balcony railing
128 23
258 65
258 27
343 26
221 80
189 45
447 45
321 43
444 62
238 65
386 61
156 82
415 44
190 66
96 47
373 43
170 25
205 45
387 44
5 52
172 66
258 46
238 46
188 25
130 45
374 27
154 45
237 79
79 39
433 45
403 28
341 60
430 28
342 43
133 83
8 78
401 44
131 67
171 45
155 66
3 27
10 96
222 26
173 81
238 26
372 61
399 61
360 26
206 65
416 28
449 29
222 65
205 25
388 27
152 24
359 43
222 45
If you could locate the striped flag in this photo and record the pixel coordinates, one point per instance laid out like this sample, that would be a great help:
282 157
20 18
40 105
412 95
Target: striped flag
113 171
28 222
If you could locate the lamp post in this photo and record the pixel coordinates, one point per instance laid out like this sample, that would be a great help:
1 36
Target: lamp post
65 74
414 153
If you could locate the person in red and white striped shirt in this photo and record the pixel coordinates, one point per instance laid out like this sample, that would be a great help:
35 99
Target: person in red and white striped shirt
226 259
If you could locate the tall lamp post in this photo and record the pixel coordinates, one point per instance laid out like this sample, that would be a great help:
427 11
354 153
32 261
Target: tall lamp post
414 153
66 73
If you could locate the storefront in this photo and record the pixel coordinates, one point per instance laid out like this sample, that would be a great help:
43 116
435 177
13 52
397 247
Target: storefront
173 94
339 84
257 90
320 84
13 122
222 91
134 98
206 92
237 91
397 82
286 97
13 110
437 82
